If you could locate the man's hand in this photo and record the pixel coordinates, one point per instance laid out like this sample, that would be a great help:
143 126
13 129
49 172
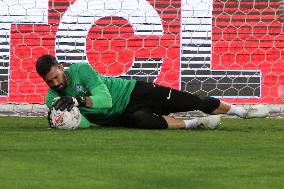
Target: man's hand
49 120
68 102
65 102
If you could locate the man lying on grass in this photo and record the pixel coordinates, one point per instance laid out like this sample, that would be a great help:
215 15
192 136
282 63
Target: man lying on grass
125 103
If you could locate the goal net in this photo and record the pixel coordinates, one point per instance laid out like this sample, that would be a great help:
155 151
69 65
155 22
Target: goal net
232 50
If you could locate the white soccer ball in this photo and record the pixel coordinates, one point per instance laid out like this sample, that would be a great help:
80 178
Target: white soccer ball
64 119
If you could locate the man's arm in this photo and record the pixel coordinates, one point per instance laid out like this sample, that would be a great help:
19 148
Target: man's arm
50 96
99 98
100 95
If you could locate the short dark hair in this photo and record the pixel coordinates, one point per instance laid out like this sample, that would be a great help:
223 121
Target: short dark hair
44 64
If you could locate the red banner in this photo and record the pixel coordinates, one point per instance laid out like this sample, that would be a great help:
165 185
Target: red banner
245 43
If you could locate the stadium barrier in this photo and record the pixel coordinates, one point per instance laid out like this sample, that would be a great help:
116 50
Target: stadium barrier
39 110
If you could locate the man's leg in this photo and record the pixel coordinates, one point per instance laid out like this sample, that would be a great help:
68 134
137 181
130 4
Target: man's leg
179 101
252 111
158 100
144 118
147 119
223 108
209 122
226 108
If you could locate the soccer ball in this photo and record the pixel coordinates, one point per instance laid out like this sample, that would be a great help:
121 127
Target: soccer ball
64 119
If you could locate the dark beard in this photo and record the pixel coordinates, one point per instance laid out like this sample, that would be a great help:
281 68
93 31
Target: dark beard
59 88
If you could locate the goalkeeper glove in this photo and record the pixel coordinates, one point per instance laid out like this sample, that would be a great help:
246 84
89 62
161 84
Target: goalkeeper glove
68 102
49 119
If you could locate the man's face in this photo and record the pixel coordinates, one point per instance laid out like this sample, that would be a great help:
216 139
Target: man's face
56 78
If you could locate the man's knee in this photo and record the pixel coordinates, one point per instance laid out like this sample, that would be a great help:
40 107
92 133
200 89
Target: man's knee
147 120
209 104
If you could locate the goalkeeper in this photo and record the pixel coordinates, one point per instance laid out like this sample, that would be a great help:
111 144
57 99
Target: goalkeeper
128 103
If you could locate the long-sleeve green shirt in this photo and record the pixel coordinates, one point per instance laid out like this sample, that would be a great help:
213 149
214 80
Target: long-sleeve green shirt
109 96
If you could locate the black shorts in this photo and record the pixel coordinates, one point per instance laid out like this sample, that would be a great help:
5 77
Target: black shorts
151 101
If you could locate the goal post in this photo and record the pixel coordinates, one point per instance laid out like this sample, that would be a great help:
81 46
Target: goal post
232 50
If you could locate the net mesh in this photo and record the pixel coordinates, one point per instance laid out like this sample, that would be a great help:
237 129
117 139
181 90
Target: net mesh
228 49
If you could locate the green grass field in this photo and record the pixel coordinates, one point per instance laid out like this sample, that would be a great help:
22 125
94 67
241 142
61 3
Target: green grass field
242 154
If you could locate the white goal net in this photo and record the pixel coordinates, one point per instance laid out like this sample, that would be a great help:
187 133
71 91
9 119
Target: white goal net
231 50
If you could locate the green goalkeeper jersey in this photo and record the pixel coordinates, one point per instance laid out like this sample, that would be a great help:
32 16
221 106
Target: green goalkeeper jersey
109 96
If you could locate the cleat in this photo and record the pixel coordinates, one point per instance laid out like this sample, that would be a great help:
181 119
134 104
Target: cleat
209 122
257 111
